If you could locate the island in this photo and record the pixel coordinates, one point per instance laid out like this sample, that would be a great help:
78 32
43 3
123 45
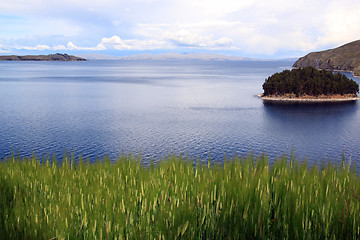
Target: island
343 58
50 57
309 85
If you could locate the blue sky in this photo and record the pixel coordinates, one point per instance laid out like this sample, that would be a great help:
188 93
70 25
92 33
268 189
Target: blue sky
252 28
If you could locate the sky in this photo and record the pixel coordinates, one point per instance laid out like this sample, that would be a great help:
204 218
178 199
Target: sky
253 28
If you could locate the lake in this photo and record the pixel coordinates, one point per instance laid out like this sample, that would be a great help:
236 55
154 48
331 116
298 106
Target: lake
155 108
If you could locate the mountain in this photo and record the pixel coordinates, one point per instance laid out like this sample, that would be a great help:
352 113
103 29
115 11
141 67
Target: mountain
187 56
177 56
98 56
168 56
51 57
343 58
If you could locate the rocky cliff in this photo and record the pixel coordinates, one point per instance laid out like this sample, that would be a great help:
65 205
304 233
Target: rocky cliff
344 58
51 57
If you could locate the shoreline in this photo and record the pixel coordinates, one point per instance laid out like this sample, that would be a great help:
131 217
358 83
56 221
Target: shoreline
348 71
285 99
336 70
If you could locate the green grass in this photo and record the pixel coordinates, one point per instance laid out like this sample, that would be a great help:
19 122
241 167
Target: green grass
243 198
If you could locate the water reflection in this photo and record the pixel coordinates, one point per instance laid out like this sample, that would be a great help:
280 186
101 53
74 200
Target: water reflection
319 131
310 111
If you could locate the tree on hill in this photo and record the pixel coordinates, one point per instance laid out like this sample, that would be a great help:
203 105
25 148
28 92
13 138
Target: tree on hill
309 81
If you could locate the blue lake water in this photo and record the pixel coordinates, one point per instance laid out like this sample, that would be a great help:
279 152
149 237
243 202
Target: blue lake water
156 108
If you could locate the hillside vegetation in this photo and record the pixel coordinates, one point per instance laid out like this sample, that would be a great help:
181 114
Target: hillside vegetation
309 81
345 58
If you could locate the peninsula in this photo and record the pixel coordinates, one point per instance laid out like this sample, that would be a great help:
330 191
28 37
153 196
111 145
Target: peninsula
50 57
344 58
309 85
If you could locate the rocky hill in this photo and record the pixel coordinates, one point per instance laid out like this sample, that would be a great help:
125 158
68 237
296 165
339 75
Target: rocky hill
51 57
344 58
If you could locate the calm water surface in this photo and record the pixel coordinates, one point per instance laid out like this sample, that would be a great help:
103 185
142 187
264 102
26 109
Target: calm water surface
155 108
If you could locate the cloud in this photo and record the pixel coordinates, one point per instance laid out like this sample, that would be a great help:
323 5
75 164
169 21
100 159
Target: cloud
185 38
223 42
252 27
169 40
37 47
72 46
3 49
59 47
115 42
341 23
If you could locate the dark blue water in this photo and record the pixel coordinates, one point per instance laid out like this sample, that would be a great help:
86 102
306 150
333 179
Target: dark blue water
199 109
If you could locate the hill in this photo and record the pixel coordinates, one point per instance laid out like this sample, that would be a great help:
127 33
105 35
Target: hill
309 82
344 58
51 57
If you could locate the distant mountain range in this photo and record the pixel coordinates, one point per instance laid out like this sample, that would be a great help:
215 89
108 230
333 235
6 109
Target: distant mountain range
188 56
176 56
159 57
98 56
50 57
169 56
344 58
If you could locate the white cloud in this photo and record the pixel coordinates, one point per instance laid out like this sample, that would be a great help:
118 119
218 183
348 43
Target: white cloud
4 49
116 42
169 40
72 46
59 47
341 23
185 38
37 47
223 42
